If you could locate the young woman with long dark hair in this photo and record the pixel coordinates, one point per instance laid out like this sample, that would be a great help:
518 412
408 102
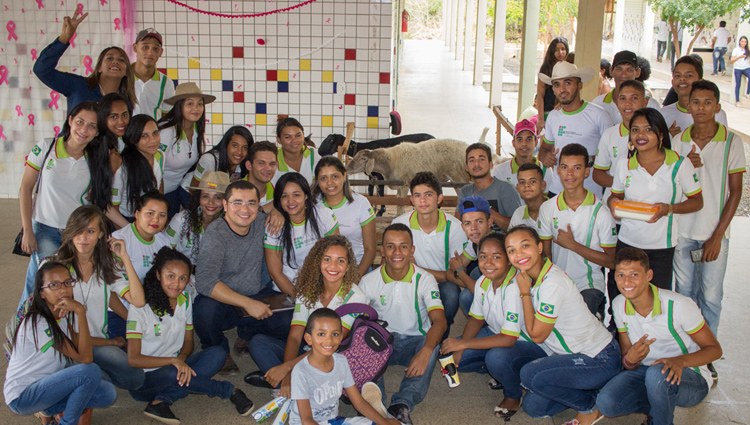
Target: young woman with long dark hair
228 156
557 51
114 116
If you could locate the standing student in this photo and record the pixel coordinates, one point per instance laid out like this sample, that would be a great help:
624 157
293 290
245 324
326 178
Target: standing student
151 86
605 74
719 43
533 188
261 165
655 174
182 132
545 100
37 379
625 67
115 112
740 60
160 341
665 344
524 144
662 36
112 74
228 156
353 211
294 154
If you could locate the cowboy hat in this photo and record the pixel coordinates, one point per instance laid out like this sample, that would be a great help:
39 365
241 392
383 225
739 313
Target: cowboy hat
567 70
186 90
213 182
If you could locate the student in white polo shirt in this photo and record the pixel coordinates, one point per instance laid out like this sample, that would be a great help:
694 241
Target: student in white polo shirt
665 344
655 174
577 230
525 139
160 341
407 297
115 112
719 158
228 156
554 314
577 121
294 155
437 237
532 187
151 86
261 165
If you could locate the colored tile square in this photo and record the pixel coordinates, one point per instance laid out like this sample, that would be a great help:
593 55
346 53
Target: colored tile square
350 99
238 52
239 96
271 75
215 74
385 78
260 108
173 73
350 54
283 87
260 119
326 121
305 64
227 85
327 77
162 70
372 111
217 118
283 75
372 122
194 63
281 117
335 87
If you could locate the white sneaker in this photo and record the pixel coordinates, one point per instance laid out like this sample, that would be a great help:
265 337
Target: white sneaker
737 104
372 395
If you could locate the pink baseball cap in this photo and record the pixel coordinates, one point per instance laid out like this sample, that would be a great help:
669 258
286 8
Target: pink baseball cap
526 124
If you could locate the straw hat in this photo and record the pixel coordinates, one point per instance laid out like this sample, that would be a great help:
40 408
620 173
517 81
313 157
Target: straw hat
186 90
567 70
213 182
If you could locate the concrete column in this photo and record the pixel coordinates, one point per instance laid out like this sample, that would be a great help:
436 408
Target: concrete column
647 49
452 7
480 35
444 22
529 67
471 17
460 29
589 32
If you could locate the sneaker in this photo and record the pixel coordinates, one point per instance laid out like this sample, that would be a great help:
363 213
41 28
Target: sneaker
372 395
401 413
243 404
712 369
737 104
162 413
230 367
257 379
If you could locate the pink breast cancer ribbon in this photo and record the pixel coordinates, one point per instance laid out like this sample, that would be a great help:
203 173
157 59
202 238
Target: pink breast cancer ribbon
57 130
40 4
3 75
103 2
31 119
79 8
54 97
117 23
87 62
72 40
2 134
11 27
19 113
33 54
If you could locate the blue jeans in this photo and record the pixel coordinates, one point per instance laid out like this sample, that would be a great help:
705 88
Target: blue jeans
559 382
48 240
115 325
504 364
645 390
113 361
449 293
595 301
466 297
177 199
68 391
738 73
161 384
702 282
718 59
412 390
661 47
267 351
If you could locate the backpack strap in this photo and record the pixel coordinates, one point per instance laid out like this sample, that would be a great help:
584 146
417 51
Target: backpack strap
357 308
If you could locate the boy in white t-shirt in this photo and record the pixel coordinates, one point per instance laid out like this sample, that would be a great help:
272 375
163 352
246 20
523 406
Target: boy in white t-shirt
533 190
151 86
525 139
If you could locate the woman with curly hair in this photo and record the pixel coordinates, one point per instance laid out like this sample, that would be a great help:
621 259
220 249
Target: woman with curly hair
328 278
160 341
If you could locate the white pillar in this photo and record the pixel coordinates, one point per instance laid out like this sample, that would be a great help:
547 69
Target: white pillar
471 16
460 29
589 32
481 33
444 22
529 68
452 8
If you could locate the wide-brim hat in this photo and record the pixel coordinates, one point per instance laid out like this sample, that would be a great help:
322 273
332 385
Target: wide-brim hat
567 70
186 90
213 182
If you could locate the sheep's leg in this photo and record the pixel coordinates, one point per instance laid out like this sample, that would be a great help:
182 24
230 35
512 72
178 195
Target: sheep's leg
402 192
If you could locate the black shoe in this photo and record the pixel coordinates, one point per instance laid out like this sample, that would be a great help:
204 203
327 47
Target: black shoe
256 379
712 369
162 413
401 413
494 384
243 404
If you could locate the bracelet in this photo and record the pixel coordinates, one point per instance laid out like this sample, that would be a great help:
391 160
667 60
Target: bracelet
671 210
627 365
527 294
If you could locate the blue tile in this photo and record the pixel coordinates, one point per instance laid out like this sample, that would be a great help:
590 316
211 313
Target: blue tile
226 85
372 111
283 87
260 108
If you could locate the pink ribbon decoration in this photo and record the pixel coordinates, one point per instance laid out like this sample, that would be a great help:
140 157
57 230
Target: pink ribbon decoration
57 130
2 134
103 2
54 97
33 54
3 75
117 23
79 8
31 119
40 4
87 62
73 40
18 111
11 27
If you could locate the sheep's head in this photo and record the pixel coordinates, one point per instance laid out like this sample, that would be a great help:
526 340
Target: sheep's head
363 162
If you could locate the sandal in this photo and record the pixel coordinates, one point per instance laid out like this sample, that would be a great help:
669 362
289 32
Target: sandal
505 413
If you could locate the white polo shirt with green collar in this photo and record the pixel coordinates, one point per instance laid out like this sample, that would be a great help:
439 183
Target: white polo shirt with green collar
180 154
723 156
434 250
268 197
612 146
674 181
151 94
310 158
521 216
672 322
508 172
120 184
403 303
592 225
141 251
557 302
607 102
676 114
355 295
500 308
352 217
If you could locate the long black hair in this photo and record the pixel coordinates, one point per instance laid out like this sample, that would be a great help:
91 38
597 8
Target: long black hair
311 214
549 56
155 296
220 150
174 118
141 177
192 226
656 121
105 108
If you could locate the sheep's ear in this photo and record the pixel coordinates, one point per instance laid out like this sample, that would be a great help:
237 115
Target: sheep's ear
369 164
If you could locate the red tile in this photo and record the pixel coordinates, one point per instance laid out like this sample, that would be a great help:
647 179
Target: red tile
350 54
271 75
162 70
239 96
350 99
385 78
238 52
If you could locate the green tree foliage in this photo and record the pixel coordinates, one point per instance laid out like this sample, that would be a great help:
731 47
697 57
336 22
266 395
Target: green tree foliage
556 17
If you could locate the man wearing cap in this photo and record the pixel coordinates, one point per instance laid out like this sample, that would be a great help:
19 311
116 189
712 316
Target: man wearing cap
524 145
624 67
151 86
577 121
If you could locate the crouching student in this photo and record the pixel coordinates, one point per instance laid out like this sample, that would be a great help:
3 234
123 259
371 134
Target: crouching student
319 378
495 322
583 356
532 187
666 345
37 379
160 341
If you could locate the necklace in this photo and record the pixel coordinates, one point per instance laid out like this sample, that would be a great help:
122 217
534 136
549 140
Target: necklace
86 296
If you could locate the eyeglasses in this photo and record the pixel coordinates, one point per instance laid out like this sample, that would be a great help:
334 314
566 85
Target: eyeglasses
249 204
55 286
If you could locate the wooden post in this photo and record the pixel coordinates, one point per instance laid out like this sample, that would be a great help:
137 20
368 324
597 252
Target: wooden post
344 149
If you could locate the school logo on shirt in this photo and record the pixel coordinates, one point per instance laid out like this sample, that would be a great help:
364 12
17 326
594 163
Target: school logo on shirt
511 317
435 294
695 177
614 151
147 261
297 242
614 231
50 163
162 147
37 150
555 222
561 130
547 308
157 329
48 332
628 180
382 300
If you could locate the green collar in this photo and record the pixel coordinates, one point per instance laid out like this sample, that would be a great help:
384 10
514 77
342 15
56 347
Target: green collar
514 165
655 311
60 150
414 222
388 279
545 268
139 237
583 106
670 158
680 108
624 130
609 97
720 136
283 166
590 199
337 206
183 136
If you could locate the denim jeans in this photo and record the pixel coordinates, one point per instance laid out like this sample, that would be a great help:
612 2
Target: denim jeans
702 282
449 294
161 384
738 73
48 240
113 361
718 59
559 382
661 47
466 297
645 390
267 351
412 390
68 391
115 325
504 364
595 301
177 199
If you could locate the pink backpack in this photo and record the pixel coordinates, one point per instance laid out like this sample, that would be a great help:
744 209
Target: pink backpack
368 345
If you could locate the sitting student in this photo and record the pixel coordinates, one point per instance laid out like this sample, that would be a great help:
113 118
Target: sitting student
437 236
407 297
353 211
261 165
304 224
151 86
317 380
555 314
665 343
328 278
583 232
501 196
524 142
43 344
228 156
687 70
294 154
655 174
533 188
160 341
719 158
625 67
495 321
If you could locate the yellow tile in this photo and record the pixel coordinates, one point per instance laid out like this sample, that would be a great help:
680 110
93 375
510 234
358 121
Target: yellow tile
327 77
372 122
217 118
305 64
173 73
194 63
326 121
216 74
260 119
47 115
282 75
